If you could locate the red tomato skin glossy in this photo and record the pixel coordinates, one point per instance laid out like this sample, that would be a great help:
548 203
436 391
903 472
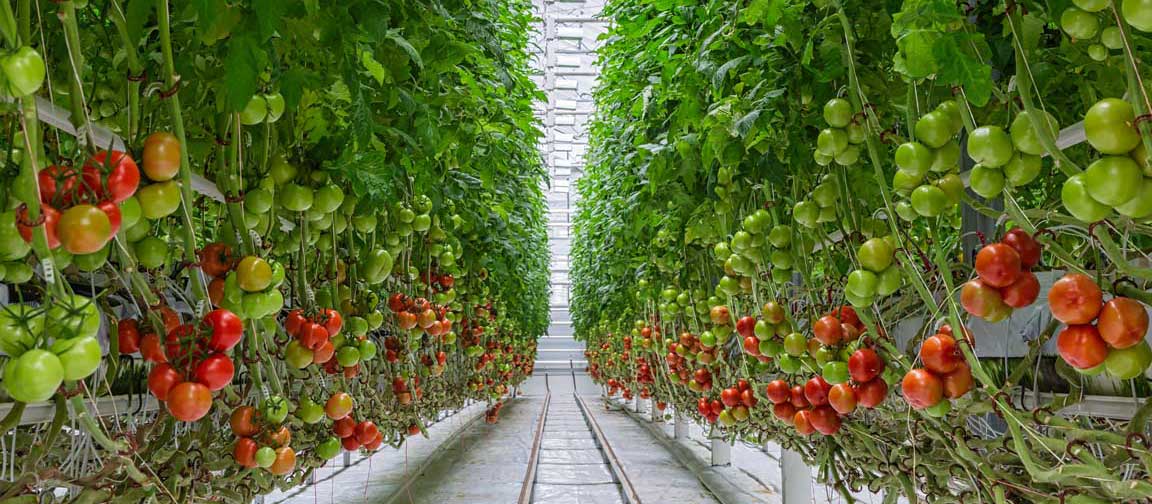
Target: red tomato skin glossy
189 401
803 423
778 391
798 398
785 411
1022 292
161 380
979 299
958 382
940 354
215 371
922 389
998 265
123 174
151 348
816 391
825 420
864 365
244 452
1081 346
1075 299
128 336
828 330
842 398
226 328
1123 322
872 393
1025 245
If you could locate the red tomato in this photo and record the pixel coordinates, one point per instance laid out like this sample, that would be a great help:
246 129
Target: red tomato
350 443
123 175
128 335
828 330
1022 292
56 183
748 399
1123 322
751 345
1081 346
1025 245
338 406
112 210
1075 299
778 391
344 427
847 315
864 365
151 349
215 372
225 328
940 354
922 389
243 421
323 353
51 219
979 299
332 320
366 431
375 443
293 322
746 326
825 420
958 382
244 452
312 335
998 265
730 397
842 398
180 342
798 400
189 401
161 380
816 391
784 411
285 461
803 423
870 394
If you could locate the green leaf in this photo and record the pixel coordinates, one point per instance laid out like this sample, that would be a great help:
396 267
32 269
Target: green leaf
374 68
136 13
413 54
269 15
767 12
958 65
242 66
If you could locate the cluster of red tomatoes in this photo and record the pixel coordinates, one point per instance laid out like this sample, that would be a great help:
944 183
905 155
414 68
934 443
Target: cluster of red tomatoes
403 395
259 443
678 361
312 338
945 375
81 208
353 434
419 312
738 402
190 364
216 261
1100 336
1004 280
492 415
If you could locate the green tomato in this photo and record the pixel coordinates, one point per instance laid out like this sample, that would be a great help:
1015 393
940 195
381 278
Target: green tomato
258 201
914 158
780 236
825 194
159 200
297 355
130 212
72 316
788 364
806 213
904 183
34 376
1108 126
946 159
327 199
940 409
328 449
274 409
849 156
951 110
255 111
1112 38
781 275
862 283
151 252
990 146
837 113
275 102
952 186
823 355
281 171
309 412
92 262
1079 24
1022 169
821 158
875 254
296 198
20 326
24 71
1139 207
1138 13
1113 180
79 356
929 201
891 280
831 141
265 457
1097 52
1091 5
348 356
934 129
17 273
1024 131
1079 203
1128 363
835 372
421 223
367 350
987 182
12 246
795 344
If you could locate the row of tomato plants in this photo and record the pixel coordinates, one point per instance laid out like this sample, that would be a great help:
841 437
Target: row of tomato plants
792 235
303 255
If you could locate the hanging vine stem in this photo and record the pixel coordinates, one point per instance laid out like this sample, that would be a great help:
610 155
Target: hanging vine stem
172 81
116 13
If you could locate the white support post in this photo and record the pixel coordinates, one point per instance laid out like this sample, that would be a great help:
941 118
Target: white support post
796 477
636 403
347 458
657 415
680 430
721 451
